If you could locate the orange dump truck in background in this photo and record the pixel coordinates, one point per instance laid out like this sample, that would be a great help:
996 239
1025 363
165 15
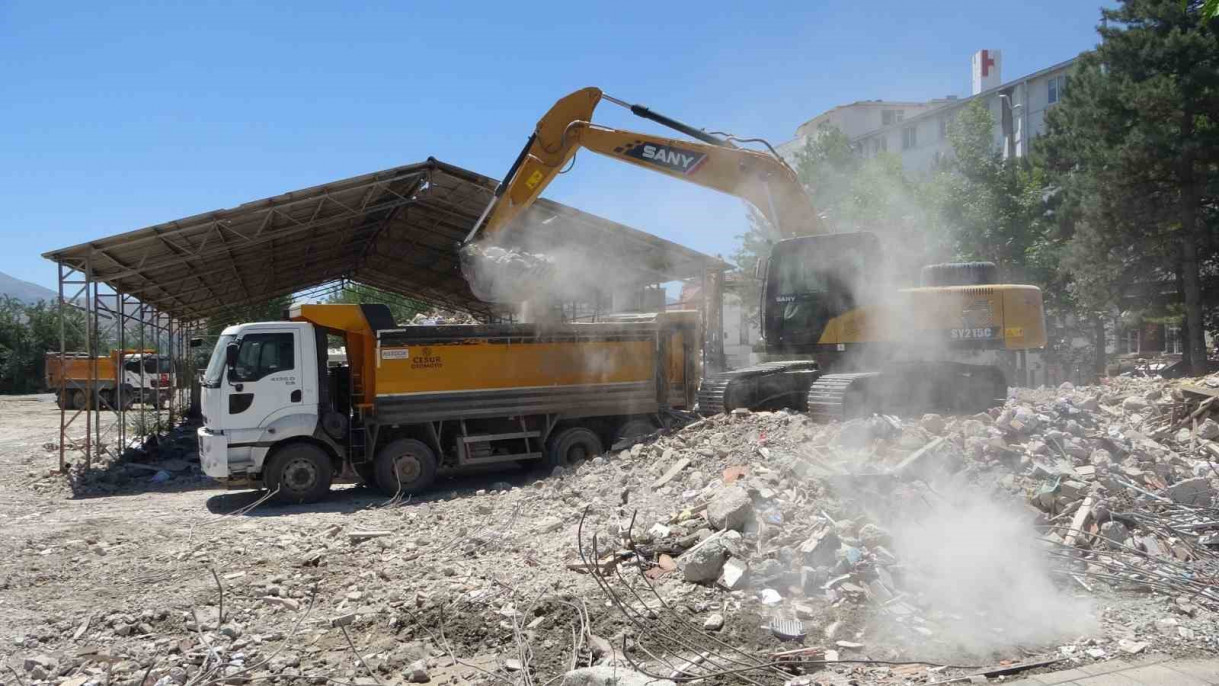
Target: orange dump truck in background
145 377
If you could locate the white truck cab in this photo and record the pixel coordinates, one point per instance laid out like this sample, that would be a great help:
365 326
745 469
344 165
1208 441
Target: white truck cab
150 377
260 389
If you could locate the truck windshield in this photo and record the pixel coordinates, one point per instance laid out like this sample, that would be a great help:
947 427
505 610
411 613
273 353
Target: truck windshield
215 366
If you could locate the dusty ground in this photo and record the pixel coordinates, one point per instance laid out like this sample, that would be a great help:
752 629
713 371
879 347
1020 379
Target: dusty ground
116 580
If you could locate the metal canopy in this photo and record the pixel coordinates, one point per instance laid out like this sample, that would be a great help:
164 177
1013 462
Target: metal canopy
396 230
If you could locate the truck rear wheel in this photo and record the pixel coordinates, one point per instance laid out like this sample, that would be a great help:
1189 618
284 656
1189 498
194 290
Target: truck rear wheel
633 428
301 472
572 445
78 399
405 466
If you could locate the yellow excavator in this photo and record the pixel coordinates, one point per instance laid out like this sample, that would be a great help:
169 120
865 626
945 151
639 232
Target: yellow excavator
841 341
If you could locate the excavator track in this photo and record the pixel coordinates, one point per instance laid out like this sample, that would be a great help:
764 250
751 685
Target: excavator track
918 387
827 397
755 387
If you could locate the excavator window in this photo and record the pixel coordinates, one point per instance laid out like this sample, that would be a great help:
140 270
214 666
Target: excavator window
814 279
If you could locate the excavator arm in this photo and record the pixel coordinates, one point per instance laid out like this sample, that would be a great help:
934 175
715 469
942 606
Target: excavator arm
761 179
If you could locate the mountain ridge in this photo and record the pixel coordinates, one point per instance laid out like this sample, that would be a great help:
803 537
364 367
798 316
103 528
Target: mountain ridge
25 291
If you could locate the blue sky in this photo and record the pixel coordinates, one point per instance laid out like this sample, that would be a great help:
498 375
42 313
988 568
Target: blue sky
117 115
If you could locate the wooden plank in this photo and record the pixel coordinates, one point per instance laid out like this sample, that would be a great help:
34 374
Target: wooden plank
1199 390
673 471
1079 521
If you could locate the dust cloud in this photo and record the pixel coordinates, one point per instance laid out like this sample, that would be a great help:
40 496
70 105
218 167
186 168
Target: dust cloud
973 562
538 266
978 563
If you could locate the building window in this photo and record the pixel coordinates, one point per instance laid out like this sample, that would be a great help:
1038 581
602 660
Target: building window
1057 86
1131 340
888 117
909 137
1172 340
879 145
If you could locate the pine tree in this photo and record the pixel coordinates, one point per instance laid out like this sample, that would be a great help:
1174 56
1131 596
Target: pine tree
1136 142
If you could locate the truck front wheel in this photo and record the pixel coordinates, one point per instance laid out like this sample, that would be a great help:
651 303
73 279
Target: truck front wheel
301 472
405 466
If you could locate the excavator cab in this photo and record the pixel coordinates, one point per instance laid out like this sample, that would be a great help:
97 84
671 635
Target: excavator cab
812 280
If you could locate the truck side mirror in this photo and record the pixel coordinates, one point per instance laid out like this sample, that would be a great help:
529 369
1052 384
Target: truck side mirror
759 268
230 355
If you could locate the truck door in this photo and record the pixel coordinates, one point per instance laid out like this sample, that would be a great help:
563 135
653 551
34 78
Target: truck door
265 381
131 373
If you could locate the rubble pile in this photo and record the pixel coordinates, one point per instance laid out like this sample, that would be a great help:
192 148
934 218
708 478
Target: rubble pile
1069 525
441 317
498 274
802 523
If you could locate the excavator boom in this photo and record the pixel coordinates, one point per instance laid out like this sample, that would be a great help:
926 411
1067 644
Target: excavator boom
761 179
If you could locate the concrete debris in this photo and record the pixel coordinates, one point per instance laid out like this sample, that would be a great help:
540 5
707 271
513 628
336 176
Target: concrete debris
604 675
738 521
417 673
1208 430
1197 492
703 562
730 508
732 576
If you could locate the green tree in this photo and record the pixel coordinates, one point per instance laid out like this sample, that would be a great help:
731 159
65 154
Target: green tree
1136 142
268 310
856 193
991 207
401 307
853 193
27 333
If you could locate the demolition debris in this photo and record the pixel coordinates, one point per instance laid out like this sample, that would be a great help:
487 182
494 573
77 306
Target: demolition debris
1069 526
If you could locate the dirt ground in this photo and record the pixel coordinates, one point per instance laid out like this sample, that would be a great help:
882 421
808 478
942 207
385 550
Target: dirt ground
126 578
114 576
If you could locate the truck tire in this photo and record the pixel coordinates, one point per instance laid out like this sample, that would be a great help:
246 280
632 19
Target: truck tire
405 466
639 426
572 445
301 472
78 399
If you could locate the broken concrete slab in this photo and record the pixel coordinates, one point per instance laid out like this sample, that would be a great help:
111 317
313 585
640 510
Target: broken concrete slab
606 675
1196 492
731 508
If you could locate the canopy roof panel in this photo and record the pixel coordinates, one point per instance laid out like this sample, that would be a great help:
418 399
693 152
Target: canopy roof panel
397 230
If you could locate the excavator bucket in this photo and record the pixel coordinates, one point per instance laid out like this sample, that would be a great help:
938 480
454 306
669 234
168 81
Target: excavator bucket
499 275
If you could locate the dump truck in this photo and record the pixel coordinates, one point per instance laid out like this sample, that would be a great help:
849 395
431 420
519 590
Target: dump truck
413 402
841 340
74 378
